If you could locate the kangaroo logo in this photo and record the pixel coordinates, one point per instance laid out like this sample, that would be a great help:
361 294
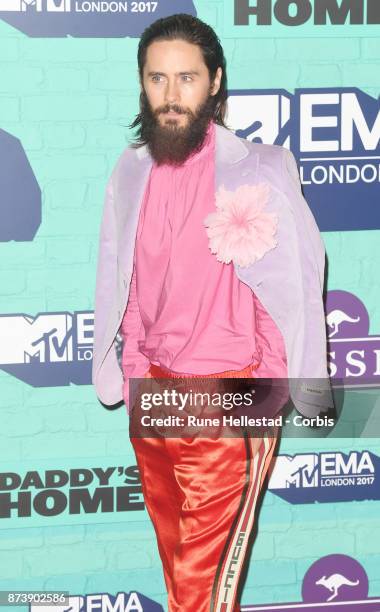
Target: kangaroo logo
353 353
334 582
346 316
337 317
335 578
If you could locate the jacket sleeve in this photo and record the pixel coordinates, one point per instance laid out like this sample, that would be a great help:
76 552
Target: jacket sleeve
134 363
309 224
310 396
106 275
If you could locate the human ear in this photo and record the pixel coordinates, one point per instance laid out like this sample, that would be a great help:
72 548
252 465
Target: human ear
216 83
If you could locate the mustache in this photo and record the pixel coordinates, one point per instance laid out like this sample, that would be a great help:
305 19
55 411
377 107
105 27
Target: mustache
166 108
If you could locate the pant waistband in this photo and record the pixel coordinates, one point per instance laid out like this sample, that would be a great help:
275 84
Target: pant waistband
162 372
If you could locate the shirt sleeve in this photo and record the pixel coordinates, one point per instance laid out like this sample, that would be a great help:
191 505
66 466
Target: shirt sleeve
134 363
270 345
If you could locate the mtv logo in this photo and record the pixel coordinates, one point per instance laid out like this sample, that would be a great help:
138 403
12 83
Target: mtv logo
73 603
258 117
300 471
57 6
20 5
46 338
50 6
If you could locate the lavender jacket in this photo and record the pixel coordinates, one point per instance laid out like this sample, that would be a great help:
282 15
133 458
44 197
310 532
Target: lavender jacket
288 280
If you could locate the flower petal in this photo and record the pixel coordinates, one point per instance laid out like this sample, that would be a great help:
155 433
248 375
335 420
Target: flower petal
240 230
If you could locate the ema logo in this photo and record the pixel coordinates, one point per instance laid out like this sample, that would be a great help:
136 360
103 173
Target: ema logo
100 18
325 477
336 582
354 355
103 602
49 350
20 202
335 135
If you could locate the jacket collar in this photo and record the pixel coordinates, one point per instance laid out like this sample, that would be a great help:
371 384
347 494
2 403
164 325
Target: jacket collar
229 148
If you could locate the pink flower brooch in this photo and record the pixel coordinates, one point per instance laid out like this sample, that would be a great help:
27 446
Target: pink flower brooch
240 230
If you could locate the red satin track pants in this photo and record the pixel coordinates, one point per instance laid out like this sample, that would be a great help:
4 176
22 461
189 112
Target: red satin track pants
201 495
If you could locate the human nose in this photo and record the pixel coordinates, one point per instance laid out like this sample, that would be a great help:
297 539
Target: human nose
172 92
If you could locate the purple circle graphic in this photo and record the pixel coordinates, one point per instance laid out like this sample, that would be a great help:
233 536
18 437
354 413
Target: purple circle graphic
335 578
346 316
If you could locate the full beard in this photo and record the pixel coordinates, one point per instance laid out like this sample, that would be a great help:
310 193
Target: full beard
170 143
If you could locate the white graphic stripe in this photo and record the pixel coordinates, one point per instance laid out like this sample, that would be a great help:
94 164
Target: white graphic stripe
235 555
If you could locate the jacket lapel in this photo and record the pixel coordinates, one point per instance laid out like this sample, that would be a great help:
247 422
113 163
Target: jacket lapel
132 182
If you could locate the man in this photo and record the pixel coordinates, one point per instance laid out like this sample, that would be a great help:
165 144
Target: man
211 266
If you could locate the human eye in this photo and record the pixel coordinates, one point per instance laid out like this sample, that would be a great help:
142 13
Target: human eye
156 78
186 78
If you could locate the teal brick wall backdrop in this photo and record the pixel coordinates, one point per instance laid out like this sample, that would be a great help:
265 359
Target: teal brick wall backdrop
69 101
